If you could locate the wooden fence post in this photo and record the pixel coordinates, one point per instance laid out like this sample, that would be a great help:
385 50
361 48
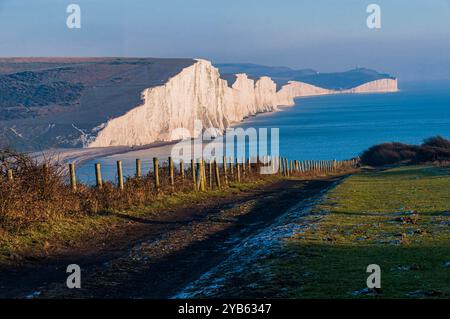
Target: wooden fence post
156 172
73 178
216 169
98 176
199 175
280 165
225 177
238 171
203 173
138 167
193 174
172 178
281 159
210 167
232 168
286 167
45 170
182 169
10 175
289 163
120 174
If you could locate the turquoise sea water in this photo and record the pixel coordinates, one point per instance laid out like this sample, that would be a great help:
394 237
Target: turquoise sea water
342 126
332 127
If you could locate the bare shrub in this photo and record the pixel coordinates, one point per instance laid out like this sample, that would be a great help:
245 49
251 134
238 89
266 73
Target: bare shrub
36 193
388 153
434 149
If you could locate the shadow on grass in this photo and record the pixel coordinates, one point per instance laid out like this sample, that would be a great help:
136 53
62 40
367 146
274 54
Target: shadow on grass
189 253
339 271
393 214
413 172
149 221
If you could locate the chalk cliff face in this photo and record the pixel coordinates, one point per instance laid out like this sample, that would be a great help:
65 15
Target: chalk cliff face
378 86
198 93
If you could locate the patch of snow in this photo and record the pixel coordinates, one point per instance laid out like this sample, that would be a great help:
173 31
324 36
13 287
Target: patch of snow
15 132
253 248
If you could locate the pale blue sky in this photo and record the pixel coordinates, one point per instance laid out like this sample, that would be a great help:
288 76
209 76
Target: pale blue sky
328 35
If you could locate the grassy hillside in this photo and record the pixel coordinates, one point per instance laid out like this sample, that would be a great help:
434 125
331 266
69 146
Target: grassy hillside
48 102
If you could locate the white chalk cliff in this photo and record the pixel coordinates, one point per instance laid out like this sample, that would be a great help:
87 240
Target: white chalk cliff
198 93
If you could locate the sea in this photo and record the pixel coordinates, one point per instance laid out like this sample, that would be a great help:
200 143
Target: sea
328 127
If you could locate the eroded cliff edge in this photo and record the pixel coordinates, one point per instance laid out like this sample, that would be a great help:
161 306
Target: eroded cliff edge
199 93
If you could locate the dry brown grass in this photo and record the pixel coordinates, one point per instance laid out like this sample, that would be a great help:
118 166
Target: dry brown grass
36 193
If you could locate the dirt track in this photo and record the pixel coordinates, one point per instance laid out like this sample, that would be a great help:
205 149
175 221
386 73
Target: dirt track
156 258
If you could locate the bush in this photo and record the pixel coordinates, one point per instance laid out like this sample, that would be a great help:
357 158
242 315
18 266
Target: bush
36 192
388 153
437 142
39 192
433 149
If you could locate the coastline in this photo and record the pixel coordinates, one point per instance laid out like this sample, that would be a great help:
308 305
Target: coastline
79 156
205 96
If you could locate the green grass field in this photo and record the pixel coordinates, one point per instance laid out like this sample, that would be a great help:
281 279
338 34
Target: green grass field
398 218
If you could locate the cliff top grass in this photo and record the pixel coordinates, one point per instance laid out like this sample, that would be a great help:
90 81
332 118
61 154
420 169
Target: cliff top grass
397 218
